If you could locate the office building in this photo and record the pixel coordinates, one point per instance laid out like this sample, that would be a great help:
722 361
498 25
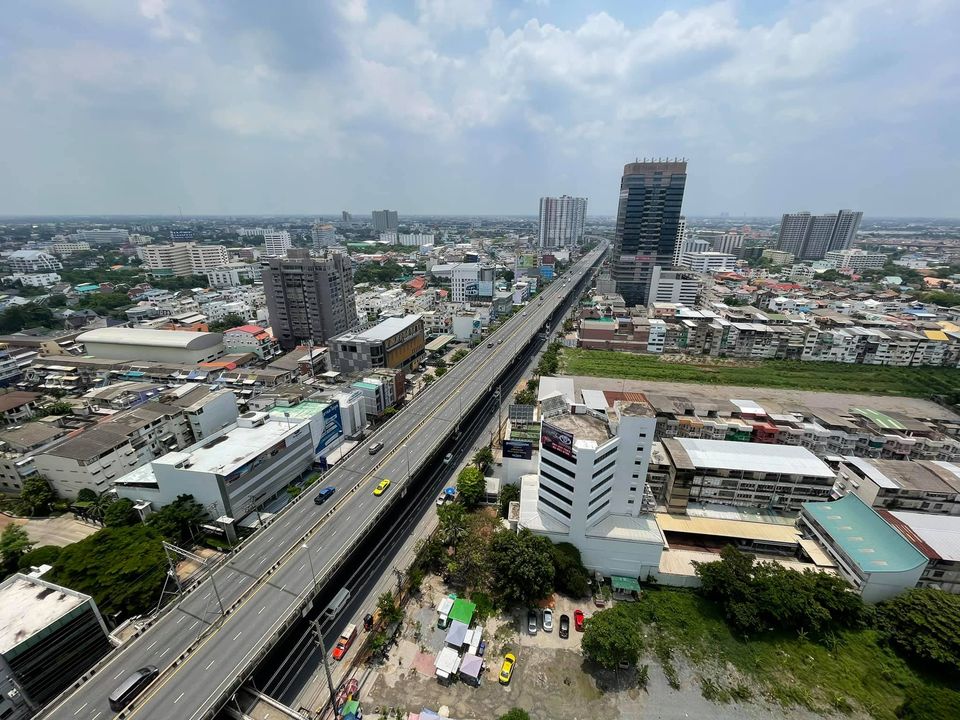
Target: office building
561 221
777 257
120 343
675 286
233 275
648 219
810 237
179 259
243 466
775 477
468 281
64 246
385 220
114 236
588 488
394 343
870 554
708 262
32 261
856 260
729 243
324 235
678 246
276 243
309 300
346 217
928 486
49 636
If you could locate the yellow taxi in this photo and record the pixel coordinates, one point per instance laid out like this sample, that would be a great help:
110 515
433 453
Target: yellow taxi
382 487
506 670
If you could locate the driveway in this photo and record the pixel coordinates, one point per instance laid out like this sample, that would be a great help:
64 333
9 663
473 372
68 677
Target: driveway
59 531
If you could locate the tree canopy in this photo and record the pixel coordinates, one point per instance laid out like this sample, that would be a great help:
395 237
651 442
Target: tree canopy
611 637
176 521
43 555
14 542
756 596
571 576
470 486
483 458
508 494
522 566
122 568
120 514
515 714
925 624
230 320
36 495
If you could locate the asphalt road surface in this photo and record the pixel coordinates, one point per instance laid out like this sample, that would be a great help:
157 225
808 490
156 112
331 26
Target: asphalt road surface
203 657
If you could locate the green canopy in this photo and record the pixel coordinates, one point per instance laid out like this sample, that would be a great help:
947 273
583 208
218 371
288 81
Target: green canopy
462 610
625 584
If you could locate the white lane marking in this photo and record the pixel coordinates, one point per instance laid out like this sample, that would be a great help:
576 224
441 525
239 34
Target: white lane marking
348 518
261 609
239 581
300 569
206 596
180 618
262 561
282 588
99 713
80 708
164 652
238 635
151 644
197 622
211 664
178 698
117 676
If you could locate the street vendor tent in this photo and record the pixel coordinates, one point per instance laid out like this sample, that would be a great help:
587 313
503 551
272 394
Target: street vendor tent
463 611
457 635
470 668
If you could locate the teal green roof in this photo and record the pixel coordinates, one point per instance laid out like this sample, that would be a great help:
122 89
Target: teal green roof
305 409
462 610
864 536
365 385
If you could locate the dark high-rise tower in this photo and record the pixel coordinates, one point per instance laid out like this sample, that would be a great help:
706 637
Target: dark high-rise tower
309 298
651 195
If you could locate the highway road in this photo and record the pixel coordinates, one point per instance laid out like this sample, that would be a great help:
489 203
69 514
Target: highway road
204 657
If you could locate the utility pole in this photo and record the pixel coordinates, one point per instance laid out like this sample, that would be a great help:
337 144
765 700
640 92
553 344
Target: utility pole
318 636
496 395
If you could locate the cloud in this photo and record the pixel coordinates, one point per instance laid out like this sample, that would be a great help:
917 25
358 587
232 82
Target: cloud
445 106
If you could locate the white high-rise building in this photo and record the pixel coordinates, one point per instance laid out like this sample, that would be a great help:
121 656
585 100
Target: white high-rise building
704 262
561 221
324 235
680 243
182 258
276 242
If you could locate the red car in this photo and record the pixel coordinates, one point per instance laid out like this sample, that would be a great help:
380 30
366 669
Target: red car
578 620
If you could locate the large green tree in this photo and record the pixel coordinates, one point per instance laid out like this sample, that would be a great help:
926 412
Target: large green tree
36 495
230 320
508 494
43 555
177 522
470 486
122 568
924 623
14 542
120 514
483 458
521 566
611 637
571 577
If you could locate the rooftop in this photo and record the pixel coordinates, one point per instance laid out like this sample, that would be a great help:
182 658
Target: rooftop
13 400
31 435
382 330
738 529
27 606
626 527
583 427
152 338
929 476
690 454
936 536
864 536
229 449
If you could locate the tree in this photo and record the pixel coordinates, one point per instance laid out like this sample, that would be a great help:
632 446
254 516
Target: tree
86 495
176 521
515 714
571 576
508 494
228 321
43 555
120 514
388 607
483 458
452 523
122 568
440 363
470 486
521 566
55 408
429 379
36 496
611 637
458 355
440 372
14 542
925 624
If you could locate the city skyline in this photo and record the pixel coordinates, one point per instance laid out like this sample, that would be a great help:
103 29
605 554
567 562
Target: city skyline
478 109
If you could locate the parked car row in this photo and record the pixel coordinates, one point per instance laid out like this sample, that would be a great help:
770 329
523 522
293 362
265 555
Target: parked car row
545 621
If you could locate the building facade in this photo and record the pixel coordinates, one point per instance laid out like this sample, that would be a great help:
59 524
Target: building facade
561 221
810 237
309 300
648 217
393 343
385 220
276 243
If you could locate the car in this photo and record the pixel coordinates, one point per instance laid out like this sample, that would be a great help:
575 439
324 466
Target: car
441 499
564 626
523 314
506 670
381 488
500 341
131 687
547 620
578 620
447 458
322 496
375 448
531 622
490 344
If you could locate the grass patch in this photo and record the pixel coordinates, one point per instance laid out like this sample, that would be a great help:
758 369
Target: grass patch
858 672
921 382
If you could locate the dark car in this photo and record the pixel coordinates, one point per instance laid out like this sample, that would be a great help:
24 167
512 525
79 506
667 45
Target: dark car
367 622
322 496
564 626
532 623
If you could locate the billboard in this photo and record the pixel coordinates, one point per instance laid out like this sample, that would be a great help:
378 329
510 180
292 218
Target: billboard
546 272
519 449
526 262
556 440
332 427
485 288
471 289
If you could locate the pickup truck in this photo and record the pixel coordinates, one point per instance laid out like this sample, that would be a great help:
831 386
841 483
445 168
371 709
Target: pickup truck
345 641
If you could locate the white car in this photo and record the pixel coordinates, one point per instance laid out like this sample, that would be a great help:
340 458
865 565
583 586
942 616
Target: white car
547 620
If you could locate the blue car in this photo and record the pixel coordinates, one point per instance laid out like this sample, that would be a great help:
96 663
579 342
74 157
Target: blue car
322 496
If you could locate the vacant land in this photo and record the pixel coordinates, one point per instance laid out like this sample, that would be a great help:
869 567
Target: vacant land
832 377
852 672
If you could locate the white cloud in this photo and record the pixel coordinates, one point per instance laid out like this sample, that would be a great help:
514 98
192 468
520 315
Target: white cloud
454 13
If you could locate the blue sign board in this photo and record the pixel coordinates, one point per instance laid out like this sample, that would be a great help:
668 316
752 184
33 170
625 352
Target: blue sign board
332 426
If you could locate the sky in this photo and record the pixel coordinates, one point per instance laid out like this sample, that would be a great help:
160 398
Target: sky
475 106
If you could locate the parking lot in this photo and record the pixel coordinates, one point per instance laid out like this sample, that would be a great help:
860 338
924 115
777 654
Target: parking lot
551 680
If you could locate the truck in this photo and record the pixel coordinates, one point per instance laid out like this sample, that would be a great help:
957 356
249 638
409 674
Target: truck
345 641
